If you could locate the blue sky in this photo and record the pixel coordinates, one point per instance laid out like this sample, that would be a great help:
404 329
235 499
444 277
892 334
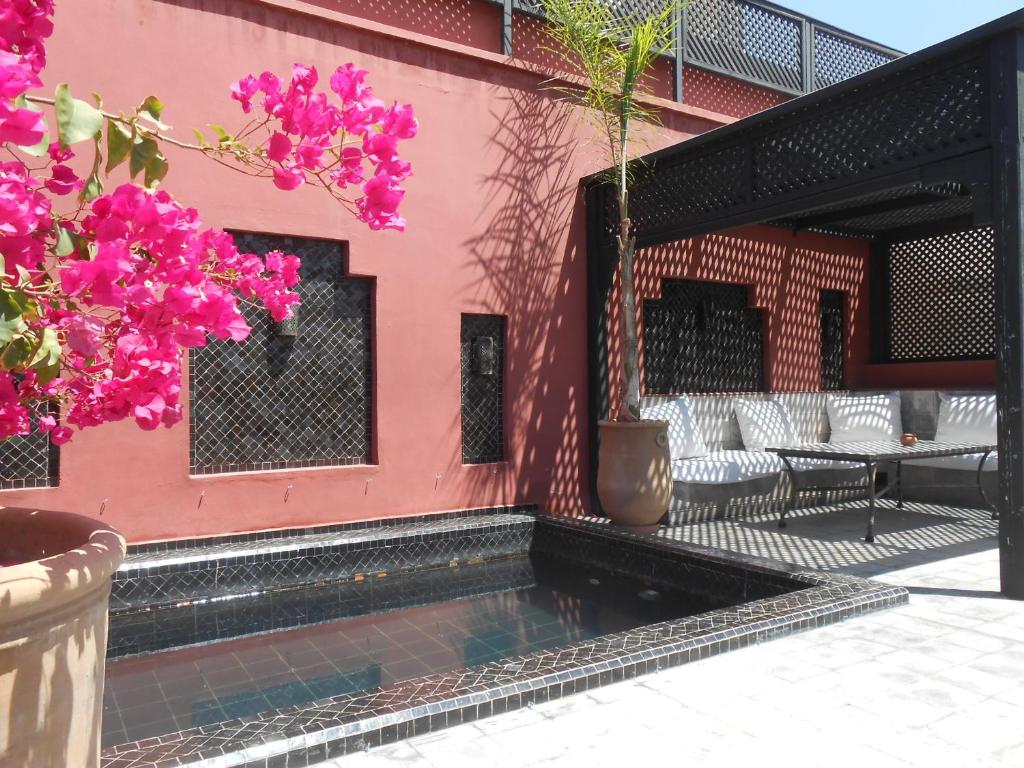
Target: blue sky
907 25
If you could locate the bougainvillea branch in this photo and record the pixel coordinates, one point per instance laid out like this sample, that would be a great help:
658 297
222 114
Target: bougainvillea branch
97 304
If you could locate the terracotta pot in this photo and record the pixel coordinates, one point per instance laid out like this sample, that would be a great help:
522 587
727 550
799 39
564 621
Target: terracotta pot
55 571
634 475
908 439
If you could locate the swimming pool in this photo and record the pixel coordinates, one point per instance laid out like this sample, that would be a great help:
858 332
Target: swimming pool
302 674
517 606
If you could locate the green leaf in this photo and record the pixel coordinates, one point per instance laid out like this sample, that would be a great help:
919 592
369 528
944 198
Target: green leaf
94 184
65 245
36 150
11 328
13 303
146 157
16 354
76 120
150 110
119 144
199 137
48 352
222 135
156 169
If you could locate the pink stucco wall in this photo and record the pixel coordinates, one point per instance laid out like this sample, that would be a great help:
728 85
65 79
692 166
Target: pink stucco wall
495 225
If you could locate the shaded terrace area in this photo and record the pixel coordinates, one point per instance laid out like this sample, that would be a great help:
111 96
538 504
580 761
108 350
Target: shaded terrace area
925 149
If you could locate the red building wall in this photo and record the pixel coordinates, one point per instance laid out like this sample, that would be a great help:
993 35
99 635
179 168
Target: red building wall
785 272
495 224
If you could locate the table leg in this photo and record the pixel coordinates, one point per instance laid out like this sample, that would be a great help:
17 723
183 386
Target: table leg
899 485
791 501
870 469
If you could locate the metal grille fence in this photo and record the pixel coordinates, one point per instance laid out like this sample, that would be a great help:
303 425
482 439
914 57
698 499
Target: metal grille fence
702 337
838 57
832 327
750 40
745 40
941 297
482 346
31 461
296 394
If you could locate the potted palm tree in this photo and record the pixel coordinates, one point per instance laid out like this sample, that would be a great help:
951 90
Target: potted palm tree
614 52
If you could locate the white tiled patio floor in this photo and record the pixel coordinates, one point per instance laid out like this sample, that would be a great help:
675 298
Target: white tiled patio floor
937 683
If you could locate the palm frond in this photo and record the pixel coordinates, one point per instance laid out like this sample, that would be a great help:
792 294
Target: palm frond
613 55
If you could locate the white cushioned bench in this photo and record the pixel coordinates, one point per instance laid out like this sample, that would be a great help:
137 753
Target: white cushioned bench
728 480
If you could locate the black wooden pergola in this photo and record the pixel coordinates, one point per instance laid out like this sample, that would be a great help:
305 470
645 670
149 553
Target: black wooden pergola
926 145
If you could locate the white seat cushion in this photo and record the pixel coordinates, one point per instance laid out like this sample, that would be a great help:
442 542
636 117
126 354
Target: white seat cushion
738 466
764 424
855 418
967 419
685 439
967 462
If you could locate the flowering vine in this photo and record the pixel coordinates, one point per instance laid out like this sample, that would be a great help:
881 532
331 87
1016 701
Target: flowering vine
102 291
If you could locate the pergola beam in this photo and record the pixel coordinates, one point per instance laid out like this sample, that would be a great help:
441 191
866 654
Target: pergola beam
869 209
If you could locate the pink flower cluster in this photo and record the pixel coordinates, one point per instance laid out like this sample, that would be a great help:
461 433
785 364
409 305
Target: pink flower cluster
100 304
354 142
156 284
24 24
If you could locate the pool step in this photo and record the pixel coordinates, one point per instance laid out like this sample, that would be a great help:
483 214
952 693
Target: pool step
222 568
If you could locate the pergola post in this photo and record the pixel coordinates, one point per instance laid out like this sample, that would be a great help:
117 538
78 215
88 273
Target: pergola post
1007 122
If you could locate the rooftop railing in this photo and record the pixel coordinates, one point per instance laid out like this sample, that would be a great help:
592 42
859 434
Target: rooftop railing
751 40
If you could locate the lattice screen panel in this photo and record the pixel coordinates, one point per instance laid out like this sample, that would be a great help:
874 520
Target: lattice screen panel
295 395
29 462
622 10
838 58
832 339
745 40
702 337
668 194
880 128
861 135
941 297
482 352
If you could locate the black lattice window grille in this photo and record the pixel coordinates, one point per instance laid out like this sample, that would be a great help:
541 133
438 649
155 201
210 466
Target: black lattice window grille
297 394
832 339
940 302
837 58
702 337
738 38
29 461
482 352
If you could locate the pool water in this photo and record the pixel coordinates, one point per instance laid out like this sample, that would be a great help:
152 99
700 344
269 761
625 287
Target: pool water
560 603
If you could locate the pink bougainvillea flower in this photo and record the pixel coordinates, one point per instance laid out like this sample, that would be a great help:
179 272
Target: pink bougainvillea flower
85 334
244 90
21 126
279 147
379 207
62 181
288 178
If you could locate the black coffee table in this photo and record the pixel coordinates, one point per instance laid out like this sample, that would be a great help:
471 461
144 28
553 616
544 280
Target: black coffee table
871 454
